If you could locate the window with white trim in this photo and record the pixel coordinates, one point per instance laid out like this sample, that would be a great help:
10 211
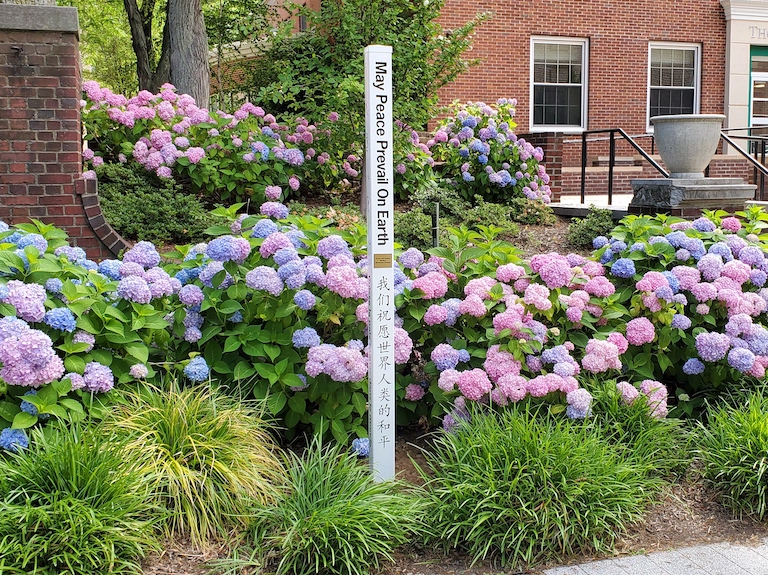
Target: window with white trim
558 83
673 79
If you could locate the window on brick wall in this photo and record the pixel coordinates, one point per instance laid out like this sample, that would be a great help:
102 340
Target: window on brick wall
673 79
558 84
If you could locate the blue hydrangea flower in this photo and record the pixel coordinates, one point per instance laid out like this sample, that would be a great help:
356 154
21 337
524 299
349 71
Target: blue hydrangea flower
60 318
285 255
4 292
672 280
236 317
306 337
599 242
607 256
35 240
693 366
13 439
54 286
197 370
463 356
623 268
681 321
741 359
618 246
305 299
637 247
703 224
361 446
264 228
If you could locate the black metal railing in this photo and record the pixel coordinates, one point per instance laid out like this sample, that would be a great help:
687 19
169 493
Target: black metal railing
612 156
757 150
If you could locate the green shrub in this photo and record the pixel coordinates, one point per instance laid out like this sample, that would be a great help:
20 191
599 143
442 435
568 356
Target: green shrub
332 517
522 488
733 447
206 454
433 192
490 214
72 503
413 228
529 212
582 231
141 206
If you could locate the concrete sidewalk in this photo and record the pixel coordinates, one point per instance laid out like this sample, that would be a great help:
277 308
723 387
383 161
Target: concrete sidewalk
715 559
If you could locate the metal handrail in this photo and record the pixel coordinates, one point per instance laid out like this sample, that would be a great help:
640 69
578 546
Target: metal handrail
758 166
611 158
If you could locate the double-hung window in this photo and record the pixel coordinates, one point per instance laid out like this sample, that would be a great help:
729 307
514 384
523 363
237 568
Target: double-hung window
674 72
559 84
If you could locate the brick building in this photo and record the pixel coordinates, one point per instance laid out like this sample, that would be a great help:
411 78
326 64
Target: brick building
577 65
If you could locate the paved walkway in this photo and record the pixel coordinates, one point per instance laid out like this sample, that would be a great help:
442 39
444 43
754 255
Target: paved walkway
715 559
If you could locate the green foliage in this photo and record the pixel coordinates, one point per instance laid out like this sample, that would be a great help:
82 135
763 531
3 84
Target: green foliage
490 214
522 488
105 44
413 228
204 454
536 213
72 503
732 447
582 231
330 517
320 71
141 206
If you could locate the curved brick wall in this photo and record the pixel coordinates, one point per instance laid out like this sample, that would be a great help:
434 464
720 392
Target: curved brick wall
40 133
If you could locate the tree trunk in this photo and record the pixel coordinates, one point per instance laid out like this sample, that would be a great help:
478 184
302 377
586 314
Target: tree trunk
140 21
139 40
188 48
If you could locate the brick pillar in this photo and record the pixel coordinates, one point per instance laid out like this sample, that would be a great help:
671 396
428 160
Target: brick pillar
552 144
40 132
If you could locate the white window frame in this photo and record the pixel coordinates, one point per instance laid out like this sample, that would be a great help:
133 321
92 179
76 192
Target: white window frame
696 76
584 43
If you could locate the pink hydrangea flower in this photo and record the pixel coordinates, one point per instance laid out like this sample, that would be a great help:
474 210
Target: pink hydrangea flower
433 284
640 330
435 314
474 384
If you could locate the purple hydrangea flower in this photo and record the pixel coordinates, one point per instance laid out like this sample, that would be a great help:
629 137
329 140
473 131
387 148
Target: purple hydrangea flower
138 371
228 248
143 253
331 246
264 278
191 295
135 289
98 377
274 210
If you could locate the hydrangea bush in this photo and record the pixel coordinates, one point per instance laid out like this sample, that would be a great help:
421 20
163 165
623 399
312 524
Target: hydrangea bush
230 157
483 156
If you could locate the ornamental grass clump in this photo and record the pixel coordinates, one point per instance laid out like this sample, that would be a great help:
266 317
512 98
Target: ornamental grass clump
733 448
330 517
204 454
522 487
73 503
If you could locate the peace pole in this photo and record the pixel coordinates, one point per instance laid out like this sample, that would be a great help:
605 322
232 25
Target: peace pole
379 175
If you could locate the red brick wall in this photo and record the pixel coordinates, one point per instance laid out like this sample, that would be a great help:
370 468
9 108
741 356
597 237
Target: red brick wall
40 139
618 33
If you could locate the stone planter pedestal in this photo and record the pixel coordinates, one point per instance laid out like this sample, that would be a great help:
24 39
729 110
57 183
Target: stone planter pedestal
687 144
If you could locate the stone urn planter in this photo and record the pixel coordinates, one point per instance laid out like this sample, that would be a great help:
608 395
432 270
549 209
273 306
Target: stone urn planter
687 142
